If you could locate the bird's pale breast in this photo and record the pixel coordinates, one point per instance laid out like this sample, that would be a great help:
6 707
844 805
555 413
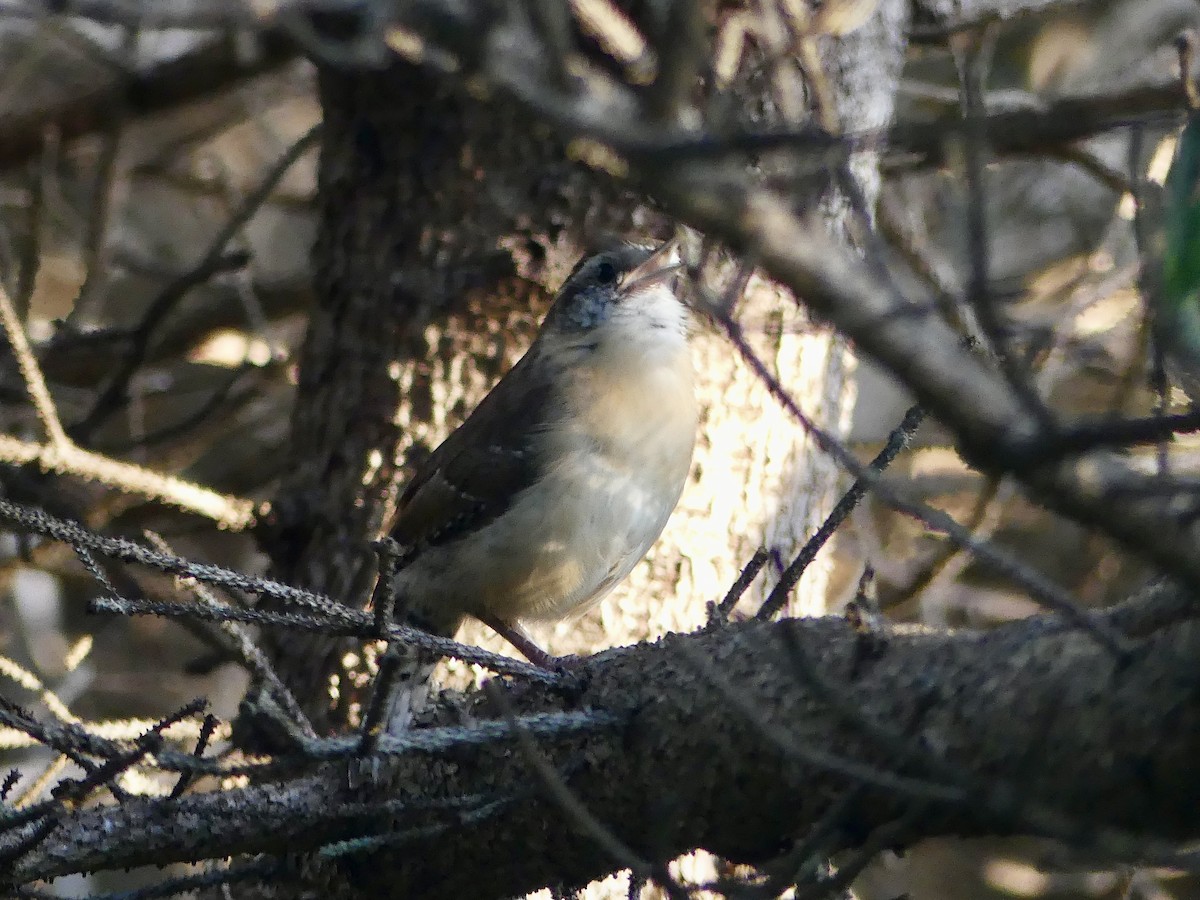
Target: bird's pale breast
614 473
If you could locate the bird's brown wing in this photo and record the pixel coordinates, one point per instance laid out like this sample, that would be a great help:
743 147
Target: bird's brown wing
473 476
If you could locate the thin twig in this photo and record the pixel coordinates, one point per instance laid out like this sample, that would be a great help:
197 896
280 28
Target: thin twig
26 679
382 688
70 740
229 512
1113 179
1037 585
10 781
883 837
1115 433
897 441
38 522
31 373
139 338
720 612
203 414
972 58
383 597
350 623
1185 47
945 562
27 801
682 50
106 774
248 653
95 253
206 733
210 263
78 743
803 853
31 257
1149 285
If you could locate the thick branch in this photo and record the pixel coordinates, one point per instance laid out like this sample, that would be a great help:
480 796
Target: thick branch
1039 127
958 14
743 773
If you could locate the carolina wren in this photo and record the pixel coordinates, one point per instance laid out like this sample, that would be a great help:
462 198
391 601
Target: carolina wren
558 483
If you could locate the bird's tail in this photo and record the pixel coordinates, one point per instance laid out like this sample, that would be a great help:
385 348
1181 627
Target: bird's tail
401 691
410 670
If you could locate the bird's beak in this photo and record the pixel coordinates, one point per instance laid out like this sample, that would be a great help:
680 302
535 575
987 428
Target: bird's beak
660 265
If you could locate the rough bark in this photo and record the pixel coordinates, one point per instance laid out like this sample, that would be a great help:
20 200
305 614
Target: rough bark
1032 727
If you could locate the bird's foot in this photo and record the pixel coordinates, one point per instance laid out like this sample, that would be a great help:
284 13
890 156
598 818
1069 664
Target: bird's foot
561 665
519 638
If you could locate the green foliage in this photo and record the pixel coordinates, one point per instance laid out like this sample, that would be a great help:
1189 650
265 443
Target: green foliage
1180 294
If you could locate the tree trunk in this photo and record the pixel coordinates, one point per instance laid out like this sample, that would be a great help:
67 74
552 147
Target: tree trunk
446 221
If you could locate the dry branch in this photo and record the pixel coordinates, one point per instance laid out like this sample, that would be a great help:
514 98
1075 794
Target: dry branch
1114 746
215 65
60 454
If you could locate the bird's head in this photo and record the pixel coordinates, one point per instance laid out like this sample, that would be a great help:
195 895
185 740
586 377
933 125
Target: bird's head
628 296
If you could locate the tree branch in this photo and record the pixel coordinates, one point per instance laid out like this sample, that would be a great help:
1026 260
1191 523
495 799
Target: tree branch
1038 127
731 748
958 15
214 65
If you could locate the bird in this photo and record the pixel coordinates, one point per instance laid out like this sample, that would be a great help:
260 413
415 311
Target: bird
564 475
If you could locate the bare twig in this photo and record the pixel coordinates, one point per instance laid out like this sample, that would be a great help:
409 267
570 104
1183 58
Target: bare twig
880 839
1037 585
30 682
325 614
27 801
212 65
248 653
10 781
31 372
206 732
349 623
682 47
76 791
1185 46
1149 283
720 612
60 454
222 396
76 536
95 257
32 256
212 261
233 513
947 562
897 441
383 596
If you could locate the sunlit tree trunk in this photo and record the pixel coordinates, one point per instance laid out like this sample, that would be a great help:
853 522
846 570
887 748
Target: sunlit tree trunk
447 220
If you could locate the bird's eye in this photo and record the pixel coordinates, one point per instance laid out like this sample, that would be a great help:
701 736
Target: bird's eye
606 272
